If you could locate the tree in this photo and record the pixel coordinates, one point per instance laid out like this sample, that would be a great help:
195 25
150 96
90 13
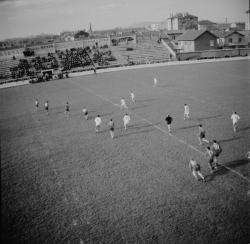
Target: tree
81 34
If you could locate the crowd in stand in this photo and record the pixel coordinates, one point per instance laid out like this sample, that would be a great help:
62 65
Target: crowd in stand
67 60
80 57
29 67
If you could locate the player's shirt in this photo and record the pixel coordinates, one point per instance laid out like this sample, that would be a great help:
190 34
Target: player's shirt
216 149
46 105
235 118
210 154
155 81
85 112
98 121
126 119
123 102
169 120
194 165
186 109
111 125
202 132
132 96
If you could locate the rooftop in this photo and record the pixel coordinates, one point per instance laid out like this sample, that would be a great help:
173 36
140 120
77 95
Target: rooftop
191 35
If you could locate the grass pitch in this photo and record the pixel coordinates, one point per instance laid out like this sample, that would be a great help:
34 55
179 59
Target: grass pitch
63 183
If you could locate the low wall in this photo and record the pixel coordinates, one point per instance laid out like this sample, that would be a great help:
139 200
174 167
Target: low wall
223 53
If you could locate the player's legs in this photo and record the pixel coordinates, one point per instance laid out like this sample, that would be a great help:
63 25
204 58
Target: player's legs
201 175
235 126
112 134
210 165
195 174
205 140
200 140
169 128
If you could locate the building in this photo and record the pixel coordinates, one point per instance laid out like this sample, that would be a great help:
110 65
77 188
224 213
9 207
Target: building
196 40
182 21
15 43
234 39
206 25
248 20
239 26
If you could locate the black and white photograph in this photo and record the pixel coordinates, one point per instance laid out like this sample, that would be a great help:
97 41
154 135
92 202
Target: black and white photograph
125 121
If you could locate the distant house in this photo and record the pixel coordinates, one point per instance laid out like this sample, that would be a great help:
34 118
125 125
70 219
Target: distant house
234 39
196 40
206 25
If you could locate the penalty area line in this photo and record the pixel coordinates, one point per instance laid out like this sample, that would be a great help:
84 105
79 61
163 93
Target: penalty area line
167 133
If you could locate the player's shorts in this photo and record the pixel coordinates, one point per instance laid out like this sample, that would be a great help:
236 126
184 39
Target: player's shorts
47 108
86 113
197 168
202 135
112 129
211 160
67 110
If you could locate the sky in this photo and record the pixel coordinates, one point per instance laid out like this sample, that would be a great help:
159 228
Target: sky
21 18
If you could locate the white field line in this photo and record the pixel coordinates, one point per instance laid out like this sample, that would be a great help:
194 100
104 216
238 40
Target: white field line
167 133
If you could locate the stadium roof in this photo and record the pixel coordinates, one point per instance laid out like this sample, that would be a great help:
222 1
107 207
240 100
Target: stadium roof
191 35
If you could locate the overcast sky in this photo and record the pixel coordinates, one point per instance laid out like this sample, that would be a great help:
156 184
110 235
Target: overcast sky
20 18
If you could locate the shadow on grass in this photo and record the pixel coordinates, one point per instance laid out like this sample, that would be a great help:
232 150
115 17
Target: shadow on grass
225 168
230 139
137 107
133 133
188 127
209 117
245 128
146 100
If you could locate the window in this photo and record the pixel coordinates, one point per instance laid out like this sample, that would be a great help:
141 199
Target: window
211 43
230 40
240 39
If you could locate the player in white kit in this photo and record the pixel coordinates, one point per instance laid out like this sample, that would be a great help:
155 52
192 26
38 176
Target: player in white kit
98 122
36 104
123 104
132 95
155 82
235 118
186 112
195 168
126 120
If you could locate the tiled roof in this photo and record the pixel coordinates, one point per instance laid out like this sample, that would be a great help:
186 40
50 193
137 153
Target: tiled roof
191 35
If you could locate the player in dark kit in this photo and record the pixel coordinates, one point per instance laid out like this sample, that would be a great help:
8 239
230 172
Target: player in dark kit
169 120
67 108
111 125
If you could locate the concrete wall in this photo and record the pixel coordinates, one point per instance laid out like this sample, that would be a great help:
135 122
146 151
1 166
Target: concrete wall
220 53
